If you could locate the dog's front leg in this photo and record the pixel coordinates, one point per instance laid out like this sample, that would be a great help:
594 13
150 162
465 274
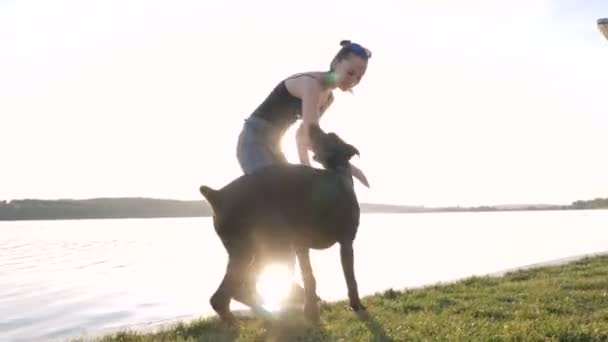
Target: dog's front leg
348 261
311 307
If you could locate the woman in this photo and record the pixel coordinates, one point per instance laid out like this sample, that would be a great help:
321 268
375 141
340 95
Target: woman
305 97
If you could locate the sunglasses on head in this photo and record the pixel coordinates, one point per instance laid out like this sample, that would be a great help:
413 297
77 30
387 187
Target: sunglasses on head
360 50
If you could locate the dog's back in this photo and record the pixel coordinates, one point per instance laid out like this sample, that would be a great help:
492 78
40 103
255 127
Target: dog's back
294 202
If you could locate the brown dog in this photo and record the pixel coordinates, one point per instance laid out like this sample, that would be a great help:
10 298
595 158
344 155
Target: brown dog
285 208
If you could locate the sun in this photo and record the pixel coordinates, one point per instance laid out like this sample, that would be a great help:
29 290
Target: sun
274 285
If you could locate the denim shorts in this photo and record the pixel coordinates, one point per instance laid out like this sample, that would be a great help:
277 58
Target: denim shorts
258 145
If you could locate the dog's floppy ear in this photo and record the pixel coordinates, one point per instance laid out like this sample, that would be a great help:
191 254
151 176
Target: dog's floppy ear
350 150
339 146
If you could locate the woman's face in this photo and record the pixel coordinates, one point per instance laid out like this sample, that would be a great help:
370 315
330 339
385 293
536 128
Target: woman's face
349 71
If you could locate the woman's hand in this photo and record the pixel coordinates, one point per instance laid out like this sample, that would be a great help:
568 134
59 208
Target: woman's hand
303 143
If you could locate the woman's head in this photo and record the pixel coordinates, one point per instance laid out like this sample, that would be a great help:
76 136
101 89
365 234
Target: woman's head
349 64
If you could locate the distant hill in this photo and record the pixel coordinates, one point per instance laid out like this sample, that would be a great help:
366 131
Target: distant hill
99 208
102 208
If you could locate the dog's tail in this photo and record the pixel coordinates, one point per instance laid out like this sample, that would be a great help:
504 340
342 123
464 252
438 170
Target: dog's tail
211 196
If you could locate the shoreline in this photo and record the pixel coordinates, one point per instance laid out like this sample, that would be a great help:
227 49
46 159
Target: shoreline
427 211
156 326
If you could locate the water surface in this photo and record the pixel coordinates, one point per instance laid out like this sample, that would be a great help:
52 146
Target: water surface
60 279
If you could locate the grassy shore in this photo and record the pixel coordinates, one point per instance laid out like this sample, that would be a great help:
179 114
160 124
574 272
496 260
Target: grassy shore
556 303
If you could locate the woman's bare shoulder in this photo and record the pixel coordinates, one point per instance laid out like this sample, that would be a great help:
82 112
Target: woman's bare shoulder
313 74
298 81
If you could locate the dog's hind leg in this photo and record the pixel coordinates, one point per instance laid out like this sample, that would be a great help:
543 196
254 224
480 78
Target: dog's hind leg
253 273
240 255
311 307
220 301
235 285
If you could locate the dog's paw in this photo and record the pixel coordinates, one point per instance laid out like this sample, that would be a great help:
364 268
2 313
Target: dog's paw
229 320
357 306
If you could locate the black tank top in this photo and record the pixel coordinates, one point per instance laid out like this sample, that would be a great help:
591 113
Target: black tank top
281 108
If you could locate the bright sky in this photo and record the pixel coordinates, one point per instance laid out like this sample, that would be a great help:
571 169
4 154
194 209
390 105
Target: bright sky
465 102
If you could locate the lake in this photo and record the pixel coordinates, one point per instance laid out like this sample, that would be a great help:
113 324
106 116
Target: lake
62 279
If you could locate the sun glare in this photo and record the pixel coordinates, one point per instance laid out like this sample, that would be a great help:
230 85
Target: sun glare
274 285
289 147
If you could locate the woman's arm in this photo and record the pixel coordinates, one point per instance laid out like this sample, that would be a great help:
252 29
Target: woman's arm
310 93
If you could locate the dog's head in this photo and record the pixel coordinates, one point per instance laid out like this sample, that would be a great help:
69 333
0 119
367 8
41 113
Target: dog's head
329 149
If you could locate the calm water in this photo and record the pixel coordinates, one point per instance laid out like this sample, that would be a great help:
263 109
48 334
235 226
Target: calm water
60 279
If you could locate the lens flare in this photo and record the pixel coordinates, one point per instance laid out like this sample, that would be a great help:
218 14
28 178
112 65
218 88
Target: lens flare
274 285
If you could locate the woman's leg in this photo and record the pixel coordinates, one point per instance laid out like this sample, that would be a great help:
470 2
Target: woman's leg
253 152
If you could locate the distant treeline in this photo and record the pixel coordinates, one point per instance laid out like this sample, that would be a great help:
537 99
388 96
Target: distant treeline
101 208
598 203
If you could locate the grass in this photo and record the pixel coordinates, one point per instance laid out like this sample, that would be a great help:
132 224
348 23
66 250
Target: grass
557 303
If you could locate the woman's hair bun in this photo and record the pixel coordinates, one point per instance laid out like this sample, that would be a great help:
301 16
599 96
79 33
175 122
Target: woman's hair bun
345 43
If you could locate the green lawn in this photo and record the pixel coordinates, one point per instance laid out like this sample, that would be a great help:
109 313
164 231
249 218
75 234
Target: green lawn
557 303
